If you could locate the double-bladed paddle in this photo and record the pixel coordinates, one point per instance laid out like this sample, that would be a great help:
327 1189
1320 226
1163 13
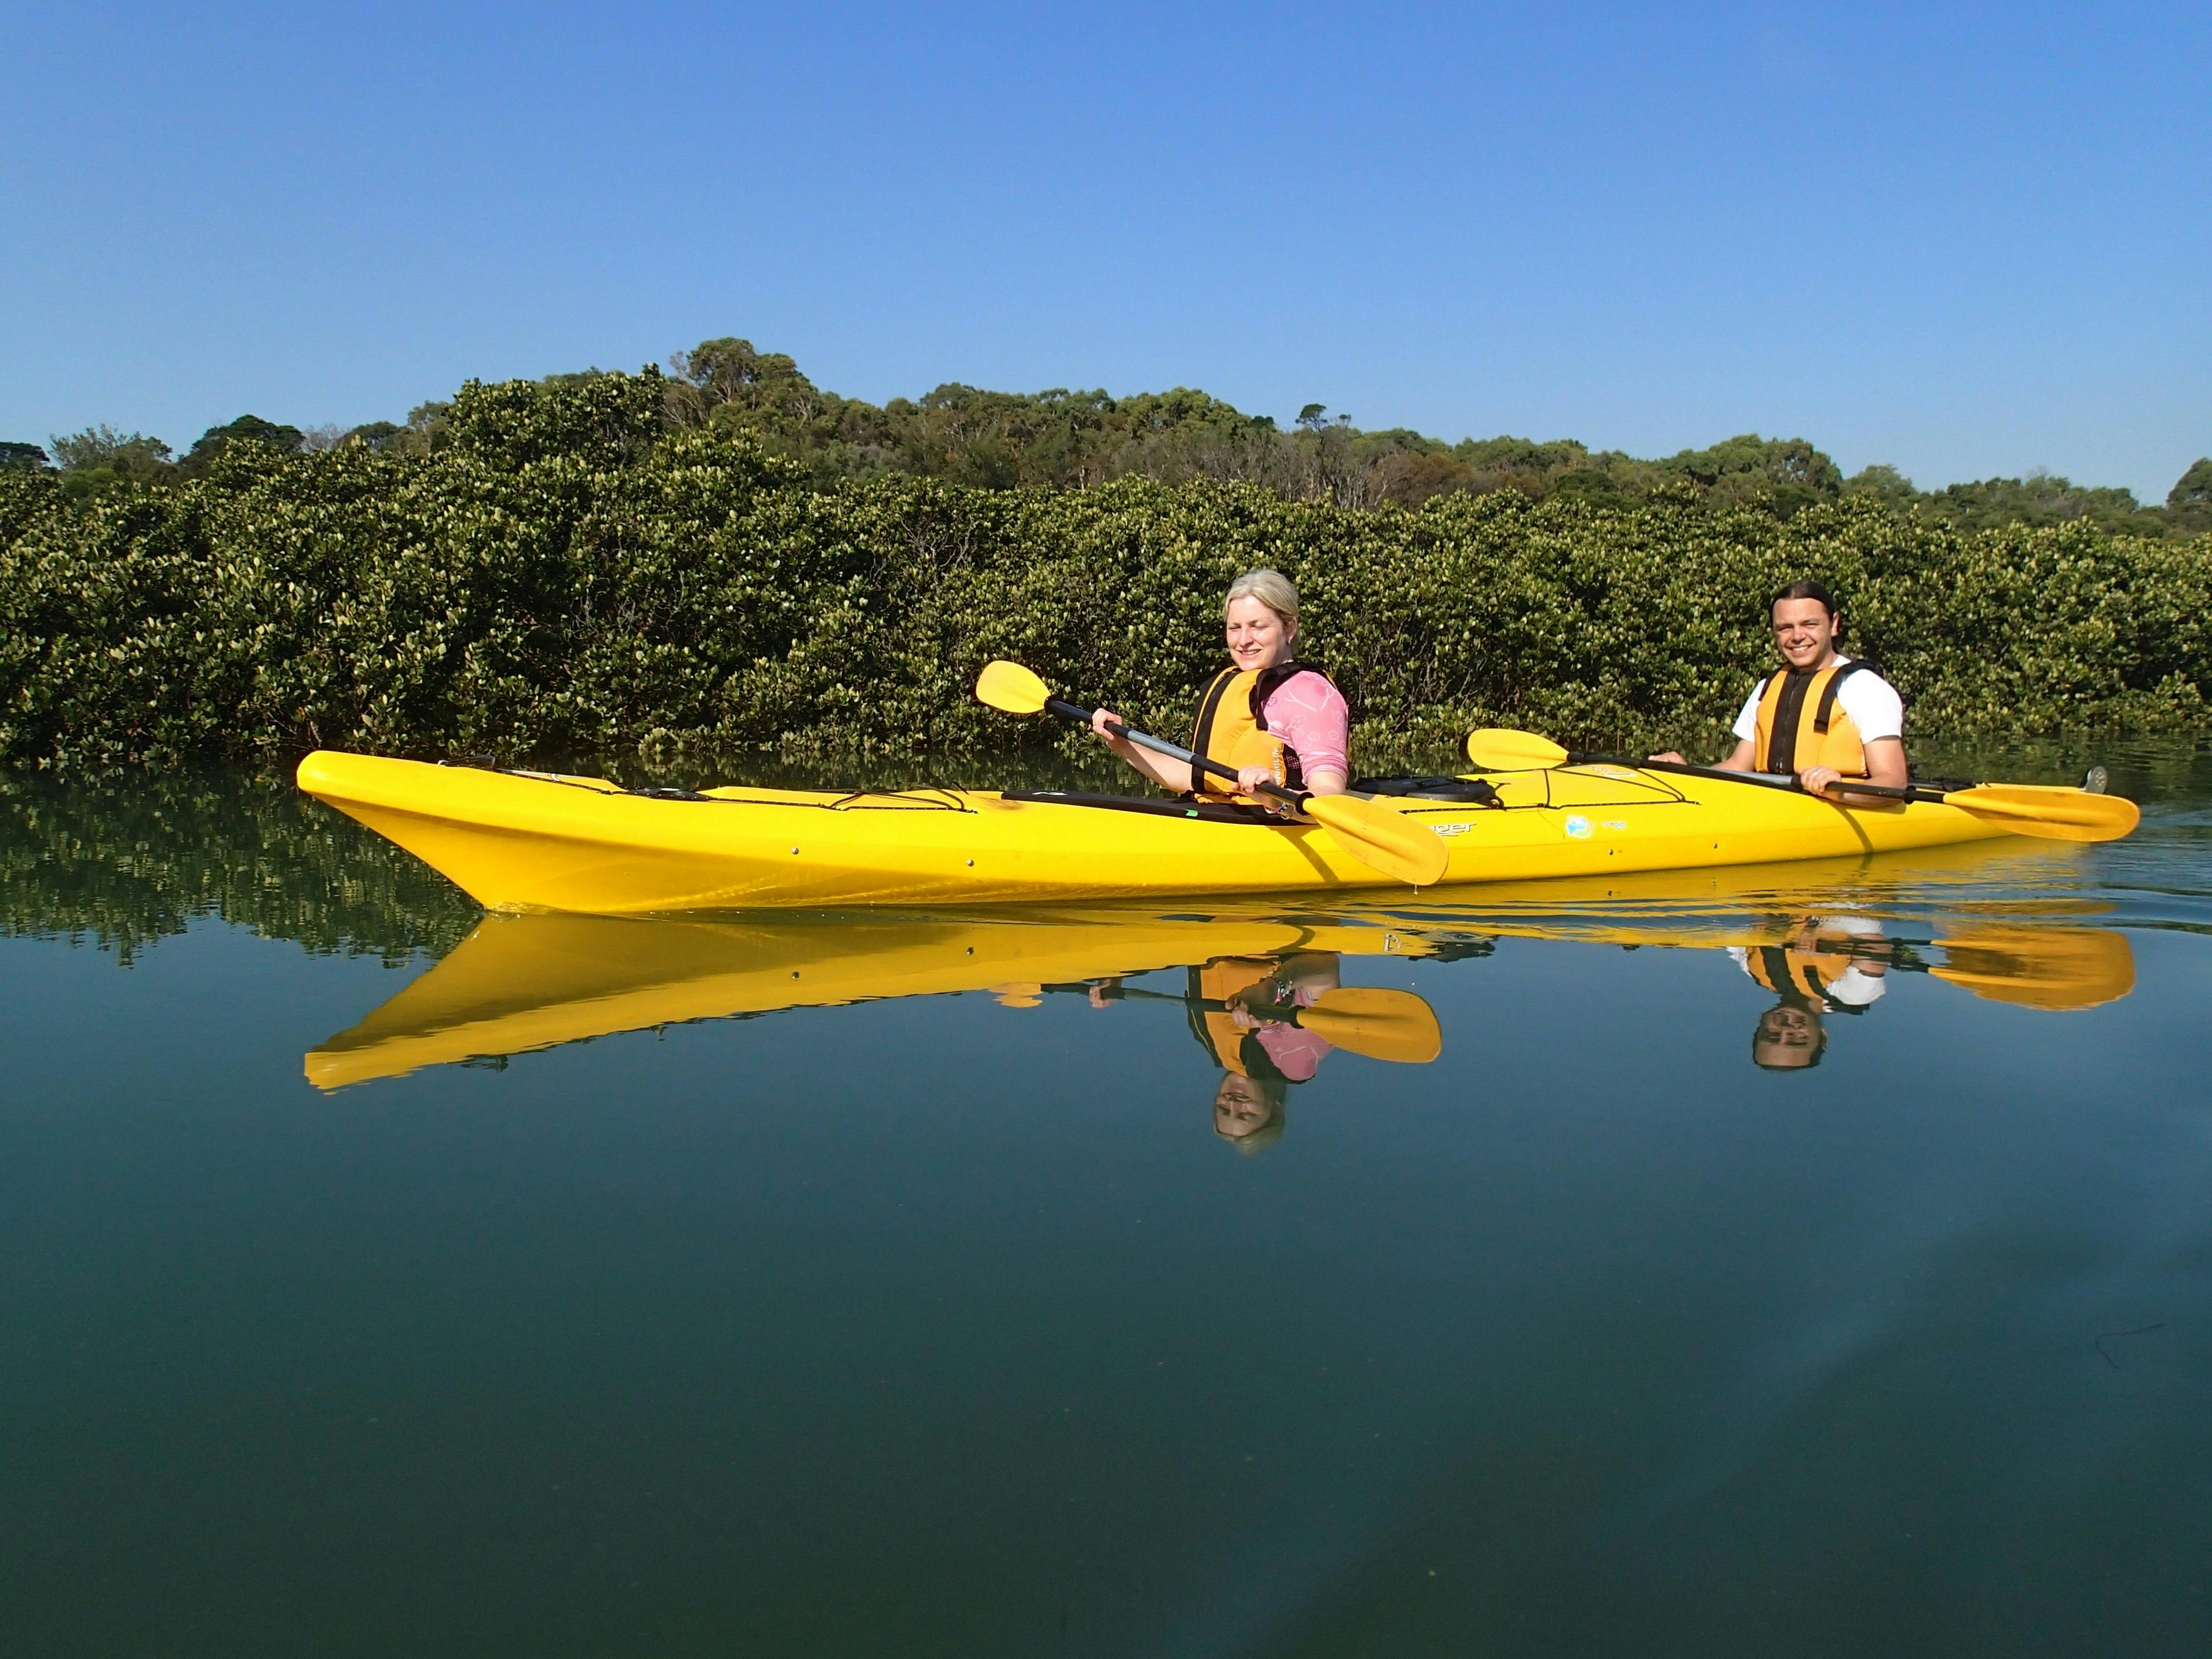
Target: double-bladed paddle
2049 811
1389 841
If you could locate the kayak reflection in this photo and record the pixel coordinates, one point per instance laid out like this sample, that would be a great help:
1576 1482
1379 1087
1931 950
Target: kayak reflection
519 983
1264 992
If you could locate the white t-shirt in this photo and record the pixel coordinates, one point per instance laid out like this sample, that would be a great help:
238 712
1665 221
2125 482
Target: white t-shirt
1871 702
1852 985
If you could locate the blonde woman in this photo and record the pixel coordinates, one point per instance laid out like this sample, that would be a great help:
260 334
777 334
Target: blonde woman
1270 717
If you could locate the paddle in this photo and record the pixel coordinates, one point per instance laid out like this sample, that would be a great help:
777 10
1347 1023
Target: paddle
1360 1019
2052 812
1389 841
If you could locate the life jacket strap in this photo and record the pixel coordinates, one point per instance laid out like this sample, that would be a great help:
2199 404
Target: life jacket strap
1826 710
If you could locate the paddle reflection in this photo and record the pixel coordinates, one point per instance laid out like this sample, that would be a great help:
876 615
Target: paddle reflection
1267 997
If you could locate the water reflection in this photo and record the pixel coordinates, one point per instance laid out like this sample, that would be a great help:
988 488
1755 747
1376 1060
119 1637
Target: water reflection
1829 965
1269 997
1268 1022
1266 995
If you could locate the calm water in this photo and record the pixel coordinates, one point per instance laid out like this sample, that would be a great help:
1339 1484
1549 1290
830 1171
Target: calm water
374 1282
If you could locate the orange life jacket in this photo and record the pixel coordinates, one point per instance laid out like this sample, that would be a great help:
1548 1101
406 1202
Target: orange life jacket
1217 1028
1801 970
1232 728
1787 741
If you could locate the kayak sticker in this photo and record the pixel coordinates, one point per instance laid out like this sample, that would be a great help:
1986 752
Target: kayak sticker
1578 827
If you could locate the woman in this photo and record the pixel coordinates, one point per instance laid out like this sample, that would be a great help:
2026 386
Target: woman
1269 717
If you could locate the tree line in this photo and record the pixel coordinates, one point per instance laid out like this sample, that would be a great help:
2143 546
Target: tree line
564 573
1061 439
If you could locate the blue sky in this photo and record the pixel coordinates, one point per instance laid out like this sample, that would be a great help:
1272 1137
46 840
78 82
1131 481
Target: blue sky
1966 240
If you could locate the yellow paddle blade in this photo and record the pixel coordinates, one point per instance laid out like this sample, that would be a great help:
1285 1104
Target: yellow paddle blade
1495 749
2053 968
2051 811
1393 843
1381 1025
1010 686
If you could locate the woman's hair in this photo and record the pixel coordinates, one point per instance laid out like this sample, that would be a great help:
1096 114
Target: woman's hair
1271 588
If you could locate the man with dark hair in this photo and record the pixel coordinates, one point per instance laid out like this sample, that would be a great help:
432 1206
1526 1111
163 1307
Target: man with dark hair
1820 715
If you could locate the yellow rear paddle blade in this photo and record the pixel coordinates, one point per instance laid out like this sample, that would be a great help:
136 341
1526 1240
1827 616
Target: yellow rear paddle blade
1397 846
2050 968
1497 748
1380 1023
1010 686
2048 810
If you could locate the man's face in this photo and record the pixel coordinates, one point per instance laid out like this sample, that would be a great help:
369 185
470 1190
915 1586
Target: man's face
1787 1038
1804 632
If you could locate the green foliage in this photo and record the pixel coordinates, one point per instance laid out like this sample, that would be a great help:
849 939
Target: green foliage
26 458
1072 439
2189 503
250 429
2038 499
556 577
100 457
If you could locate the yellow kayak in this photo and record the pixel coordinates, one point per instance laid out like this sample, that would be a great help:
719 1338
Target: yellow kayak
538 842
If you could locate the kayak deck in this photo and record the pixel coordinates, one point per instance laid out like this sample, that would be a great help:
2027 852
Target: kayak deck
539 841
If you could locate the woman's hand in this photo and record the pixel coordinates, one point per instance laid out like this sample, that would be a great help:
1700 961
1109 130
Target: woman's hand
1253 780
1671 757
1100 720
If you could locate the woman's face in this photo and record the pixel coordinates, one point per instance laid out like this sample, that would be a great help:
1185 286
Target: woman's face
1258 638
1239 1107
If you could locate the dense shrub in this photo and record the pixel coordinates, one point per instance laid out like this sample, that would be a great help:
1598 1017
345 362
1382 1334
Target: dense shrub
559 579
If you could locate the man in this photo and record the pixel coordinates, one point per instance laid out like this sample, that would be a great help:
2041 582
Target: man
1820 715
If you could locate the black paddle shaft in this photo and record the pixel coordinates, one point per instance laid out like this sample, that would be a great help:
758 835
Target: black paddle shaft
1207 1005
1765 780
1077 715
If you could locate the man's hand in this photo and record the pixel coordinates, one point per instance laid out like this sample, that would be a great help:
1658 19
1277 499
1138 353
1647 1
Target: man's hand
1817 780
1671 756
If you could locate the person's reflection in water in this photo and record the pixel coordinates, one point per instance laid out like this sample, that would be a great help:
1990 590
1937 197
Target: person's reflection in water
1830 964
1242 1010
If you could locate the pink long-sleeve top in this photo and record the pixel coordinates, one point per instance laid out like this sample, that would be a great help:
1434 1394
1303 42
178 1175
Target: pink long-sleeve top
1311 716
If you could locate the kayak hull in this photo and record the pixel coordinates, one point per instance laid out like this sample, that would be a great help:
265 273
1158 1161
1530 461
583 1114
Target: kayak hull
535 841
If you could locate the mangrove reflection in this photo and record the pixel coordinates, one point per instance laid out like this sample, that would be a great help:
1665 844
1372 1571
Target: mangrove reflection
123 864
1264 996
